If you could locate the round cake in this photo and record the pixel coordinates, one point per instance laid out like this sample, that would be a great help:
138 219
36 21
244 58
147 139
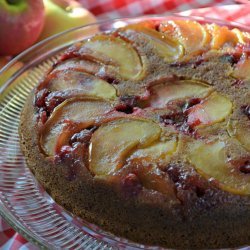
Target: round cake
145 131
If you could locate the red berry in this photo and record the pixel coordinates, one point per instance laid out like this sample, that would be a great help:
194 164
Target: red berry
131 184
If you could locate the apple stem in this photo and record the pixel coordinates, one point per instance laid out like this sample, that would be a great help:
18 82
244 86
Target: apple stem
12 1
64 4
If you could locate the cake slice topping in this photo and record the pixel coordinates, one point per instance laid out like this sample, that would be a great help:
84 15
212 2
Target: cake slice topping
115 54
101 104
68 118
192 35
167 47
113 142
77 83
213 109
172 90
211 161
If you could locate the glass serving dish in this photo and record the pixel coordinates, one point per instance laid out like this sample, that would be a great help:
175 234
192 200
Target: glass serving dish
23 202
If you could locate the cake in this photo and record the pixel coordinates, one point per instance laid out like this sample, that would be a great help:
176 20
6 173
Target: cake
145 131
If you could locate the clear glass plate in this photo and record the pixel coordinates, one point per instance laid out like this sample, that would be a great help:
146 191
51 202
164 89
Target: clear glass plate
23 202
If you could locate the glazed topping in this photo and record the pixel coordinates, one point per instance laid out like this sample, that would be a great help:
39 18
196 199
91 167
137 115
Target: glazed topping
125 106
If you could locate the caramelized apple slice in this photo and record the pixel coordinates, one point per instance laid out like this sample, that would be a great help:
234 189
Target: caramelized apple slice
161 94
112 142
116 53
81 84
221 36
70 117
242 69
243 37
192 35
213 109
154 179
168 48
77 65
211 162
157 152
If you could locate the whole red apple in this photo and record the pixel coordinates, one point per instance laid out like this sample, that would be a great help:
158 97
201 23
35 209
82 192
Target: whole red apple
21 22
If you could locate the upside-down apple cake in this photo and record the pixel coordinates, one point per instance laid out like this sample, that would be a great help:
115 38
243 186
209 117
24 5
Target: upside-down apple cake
145 131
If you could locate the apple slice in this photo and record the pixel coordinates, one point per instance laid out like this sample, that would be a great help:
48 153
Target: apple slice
221 36
243 37
112 142
168 48
66 120
117 54
241 132
192 35
81 84
210 161
215 108
77 65
161 94
154 179
242 69
157 152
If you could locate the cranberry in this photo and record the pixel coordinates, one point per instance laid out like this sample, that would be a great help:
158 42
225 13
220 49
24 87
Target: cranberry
198 62
173 171
125 109
238 82
246 110
65 153
73 158
192 102
245 167
40 98
173 119
109 79
242 48
178 120
127 104
188 184
83 137
53 100
43 117
131 184
157 27
178 64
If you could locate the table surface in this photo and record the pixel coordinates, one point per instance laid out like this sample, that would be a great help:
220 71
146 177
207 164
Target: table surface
103 9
